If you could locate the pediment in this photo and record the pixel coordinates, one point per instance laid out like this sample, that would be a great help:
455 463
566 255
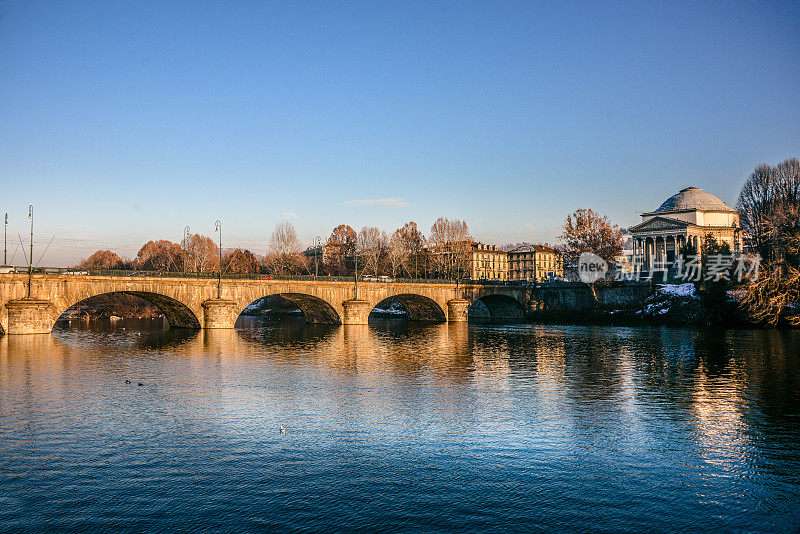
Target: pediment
660 223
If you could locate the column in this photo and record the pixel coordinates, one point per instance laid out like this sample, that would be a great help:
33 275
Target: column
30 316
356 311
457 310
219 313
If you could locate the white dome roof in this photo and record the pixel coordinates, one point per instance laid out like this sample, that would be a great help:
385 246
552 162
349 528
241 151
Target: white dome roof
693 198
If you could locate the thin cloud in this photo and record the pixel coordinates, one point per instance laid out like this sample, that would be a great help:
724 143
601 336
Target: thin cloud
379 203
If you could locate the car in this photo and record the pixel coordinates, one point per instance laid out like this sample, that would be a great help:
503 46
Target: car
385 278
265 277
74 272
368 279
7 269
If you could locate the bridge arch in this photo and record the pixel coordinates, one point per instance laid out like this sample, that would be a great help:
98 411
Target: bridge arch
176 313
418 307
501 307
315 309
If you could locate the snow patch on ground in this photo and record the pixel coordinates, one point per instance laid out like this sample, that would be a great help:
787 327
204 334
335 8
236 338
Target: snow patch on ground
394 308
677 290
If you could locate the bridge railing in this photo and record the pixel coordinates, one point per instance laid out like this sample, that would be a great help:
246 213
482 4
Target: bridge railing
127 273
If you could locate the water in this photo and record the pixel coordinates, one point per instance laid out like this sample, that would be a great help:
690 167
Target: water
518 428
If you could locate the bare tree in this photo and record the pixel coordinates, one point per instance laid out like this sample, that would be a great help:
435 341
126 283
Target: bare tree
202 254
769 207
284 249
451 243
398 252
372 244
763 198
413 243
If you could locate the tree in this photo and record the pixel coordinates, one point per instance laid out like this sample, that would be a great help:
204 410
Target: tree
452 244
372 244
240 261
398 252
769 206
413 243
588 231
202 254
284 250
102 259
161 255
341 249
763 200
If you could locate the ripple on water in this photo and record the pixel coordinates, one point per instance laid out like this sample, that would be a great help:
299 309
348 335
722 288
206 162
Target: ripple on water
422 428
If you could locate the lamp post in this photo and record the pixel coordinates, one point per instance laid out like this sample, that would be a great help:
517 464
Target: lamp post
355 288
30 259
218 228
5 242
185 247
317 245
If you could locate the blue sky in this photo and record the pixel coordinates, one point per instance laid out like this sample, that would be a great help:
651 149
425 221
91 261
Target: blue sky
124 122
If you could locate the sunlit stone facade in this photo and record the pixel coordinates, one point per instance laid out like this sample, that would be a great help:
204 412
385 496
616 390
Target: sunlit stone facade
488 263
686 217
534 263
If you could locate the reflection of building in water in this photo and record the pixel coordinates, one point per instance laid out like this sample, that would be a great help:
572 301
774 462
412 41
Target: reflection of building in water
717 408
550 354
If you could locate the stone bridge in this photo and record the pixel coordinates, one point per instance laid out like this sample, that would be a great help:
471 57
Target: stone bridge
195 303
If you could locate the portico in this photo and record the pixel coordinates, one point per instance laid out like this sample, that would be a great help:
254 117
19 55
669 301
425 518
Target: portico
686 218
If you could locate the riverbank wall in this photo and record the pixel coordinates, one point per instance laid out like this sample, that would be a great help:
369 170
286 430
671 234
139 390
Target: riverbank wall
577 296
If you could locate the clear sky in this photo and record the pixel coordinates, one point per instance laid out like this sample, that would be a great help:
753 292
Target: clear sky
126 121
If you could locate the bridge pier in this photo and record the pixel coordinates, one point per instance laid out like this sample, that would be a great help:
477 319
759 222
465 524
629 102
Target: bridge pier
29 316
356 311
219 313
457 310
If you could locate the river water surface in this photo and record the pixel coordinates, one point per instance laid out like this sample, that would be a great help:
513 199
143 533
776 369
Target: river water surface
467 428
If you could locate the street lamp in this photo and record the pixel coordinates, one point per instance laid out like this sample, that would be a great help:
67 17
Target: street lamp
355 288
218 228
185 247
5 242
30 259
317 245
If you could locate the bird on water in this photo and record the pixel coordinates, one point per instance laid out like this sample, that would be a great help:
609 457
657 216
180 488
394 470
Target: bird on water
283 430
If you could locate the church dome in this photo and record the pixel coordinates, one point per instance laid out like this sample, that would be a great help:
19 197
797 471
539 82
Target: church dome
693 198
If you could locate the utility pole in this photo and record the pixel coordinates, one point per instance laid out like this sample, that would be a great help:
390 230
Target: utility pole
218 228
185 248
355 288
317 245
30 259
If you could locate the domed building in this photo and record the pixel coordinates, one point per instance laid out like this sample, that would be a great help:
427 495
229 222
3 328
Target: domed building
686 217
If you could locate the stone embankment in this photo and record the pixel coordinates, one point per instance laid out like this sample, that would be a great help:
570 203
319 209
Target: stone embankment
635 304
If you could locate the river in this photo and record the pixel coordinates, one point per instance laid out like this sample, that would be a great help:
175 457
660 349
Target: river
396 426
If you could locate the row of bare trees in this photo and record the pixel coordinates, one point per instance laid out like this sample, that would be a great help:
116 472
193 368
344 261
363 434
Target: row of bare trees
406 252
